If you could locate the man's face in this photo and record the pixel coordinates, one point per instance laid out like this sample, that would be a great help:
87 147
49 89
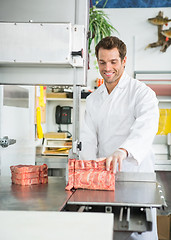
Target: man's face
110 65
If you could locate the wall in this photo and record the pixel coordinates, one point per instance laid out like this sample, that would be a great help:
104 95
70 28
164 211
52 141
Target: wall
137 33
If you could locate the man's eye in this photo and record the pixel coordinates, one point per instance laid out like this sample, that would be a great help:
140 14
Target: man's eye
102 63
113 62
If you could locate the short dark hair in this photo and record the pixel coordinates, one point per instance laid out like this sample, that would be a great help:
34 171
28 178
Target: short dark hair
110 43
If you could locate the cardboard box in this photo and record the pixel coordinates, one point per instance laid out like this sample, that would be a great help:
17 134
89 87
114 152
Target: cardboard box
56 95
164 227
55 135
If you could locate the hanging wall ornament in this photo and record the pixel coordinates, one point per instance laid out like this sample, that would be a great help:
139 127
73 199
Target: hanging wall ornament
164 36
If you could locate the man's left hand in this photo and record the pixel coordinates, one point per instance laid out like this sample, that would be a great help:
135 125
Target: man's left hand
116 159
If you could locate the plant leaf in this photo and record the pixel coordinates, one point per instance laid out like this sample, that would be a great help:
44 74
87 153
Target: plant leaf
99 25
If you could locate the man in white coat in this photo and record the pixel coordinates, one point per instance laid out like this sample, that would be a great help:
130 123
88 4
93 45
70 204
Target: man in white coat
121 119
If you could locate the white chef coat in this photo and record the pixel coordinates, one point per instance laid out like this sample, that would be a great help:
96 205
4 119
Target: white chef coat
126 118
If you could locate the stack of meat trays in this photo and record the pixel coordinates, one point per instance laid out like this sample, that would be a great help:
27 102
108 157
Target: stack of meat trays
90 174
29 174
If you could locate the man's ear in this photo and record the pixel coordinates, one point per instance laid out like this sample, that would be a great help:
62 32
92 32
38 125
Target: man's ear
124 61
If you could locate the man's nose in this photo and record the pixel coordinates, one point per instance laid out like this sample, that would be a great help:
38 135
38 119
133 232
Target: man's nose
108 67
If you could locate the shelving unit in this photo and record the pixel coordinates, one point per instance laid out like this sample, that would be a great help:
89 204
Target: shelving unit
64 99
161 147
49 152
56 146
165 99
160 82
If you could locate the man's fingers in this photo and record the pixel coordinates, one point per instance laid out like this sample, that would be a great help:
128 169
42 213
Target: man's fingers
100 159
115 160
111 160
108 162
119 165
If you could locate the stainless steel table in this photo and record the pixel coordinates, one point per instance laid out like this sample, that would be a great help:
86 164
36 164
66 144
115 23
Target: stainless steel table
131 202
131 189
42 197
40 217
164 179
135 195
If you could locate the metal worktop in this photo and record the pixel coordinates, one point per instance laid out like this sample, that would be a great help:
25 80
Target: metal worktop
164 179
135 193
41 217
52 196
42 197
132 202
131 189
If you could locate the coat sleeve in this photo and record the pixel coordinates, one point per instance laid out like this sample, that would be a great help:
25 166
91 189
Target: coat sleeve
142 132
88 136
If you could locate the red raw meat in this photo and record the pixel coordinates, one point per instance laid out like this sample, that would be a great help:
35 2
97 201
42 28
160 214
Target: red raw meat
26 175
28 181
43 180
89 175
43 174
29 174
25 168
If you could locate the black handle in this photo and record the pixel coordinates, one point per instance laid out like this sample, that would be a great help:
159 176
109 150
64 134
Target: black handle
79 146
77 53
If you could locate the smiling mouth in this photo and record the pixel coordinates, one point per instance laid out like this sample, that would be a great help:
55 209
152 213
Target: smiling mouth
108 74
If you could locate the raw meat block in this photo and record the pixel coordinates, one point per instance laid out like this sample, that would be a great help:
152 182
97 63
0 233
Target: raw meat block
26 175
25 168
43 167
89 175
43 180
29 174
44 174
71 168
28 181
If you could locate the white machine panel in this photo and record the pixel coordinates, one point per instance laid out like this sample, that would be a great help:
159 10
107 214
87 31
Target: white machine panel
42 53
35 43
58 225
45 44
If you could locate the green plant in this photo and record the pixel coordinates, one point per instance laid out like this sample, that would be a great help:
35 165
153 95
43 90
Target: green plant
99 25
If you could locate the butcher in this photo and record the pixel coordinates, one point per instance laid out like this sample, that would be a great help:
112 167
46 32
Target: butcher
121 120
